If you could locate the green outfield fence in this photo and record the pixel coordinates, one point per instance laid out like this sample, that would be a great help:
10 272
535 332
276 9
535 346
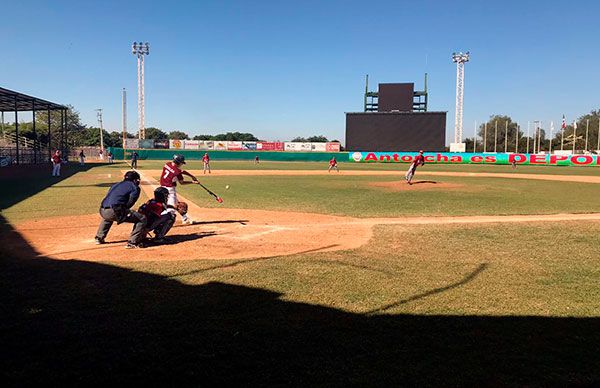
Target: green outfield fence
280 156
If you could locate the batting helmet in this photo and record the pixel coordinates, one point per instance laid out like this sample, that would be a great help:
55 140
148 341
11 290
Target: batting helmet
161 194
132 176
179 159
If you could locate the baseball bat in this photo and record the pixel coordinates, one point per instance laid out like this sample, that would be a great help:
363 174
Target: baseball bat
219 199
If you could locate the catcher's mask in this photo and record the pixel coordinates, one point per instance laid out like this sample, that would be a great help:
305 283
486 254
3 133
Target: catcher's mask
161 194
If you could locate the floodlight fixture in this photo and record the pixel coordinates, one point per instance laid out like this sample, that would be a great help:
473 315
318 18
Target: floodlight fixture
461 57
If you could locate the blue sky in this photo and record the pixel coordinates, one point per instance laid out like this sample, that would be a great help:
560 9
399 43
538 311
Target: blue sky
281 69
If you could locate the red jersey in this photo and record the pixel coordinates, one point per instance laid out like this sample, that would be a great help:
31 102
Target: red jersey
205 158
152 210
332 162
170 175
55 159
419 160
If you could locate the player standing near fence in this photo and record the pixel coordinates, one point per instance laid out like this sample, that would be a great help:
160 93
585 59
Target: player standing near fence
56 160
206 162
419 161
134 159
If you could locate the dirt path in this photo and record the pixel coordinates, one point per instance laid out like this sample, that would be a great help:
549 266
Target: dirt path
234 233
564 178
223 233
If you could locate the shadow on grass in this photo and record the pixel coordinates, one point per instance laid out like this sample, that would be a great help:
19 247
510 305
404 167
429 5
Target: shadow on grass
82 323
21 182
469 277
90 323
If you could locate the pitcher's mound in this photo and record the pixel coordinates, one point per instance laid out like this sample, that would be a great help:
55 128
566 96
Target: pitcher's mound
417 185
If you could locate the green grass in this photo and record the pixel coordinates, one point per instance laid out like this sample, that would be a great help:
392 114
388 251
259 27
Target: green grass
520 269
402 167
488 304
330 194
354 196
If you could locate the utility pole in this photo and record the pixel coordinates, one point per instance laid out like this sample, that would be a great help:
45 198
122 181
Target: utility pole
587 128
536 125
551 131
124 121
99 115
527 137
496 137
506 136
475 138
460 59
141 49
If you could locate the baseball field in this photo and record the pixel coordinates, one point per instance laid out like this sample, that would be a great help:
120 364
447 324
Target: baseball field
473 275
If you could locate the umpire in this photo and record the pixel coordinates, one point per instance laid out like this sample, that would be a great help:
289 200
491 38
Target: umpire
116 207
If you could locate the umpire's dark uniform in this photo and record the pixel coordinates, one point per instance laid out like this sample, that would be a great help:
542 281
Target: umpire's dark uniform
116 208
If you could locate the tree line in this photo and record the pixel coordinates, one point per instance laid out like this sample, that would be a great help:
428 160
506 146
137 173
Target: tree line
82 135
502 133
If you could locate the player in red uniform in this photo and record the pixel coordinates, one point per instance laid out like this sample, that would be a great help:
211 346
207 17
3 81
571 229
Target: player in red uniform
419 161
56 160
172 174
160 219
333 164
206 163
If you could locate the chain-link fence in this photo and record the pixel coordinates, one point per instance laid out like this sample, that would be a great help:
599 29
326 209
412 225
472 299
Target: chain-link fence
8 156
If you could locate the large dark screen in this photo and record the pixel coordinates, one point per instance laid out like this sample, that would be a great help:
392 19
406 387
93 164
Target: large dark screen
396 97
396 131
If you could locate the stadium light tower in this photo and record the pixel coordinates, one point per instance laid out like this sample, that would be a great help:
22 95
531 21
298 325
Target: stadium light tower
99 116
460 59
140 49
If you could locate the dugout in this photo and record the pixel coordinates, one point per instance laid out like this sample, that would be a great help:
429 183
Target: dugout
24 152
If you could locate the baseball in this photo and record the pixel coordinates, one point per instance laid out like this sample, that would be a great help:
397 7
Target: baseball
226 187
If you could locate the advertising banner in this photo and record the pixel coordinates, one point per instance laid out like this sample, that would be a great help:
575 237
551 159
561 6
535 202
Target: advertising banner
477 158
294 146
206 145
132 144
234 145
146 144
270 146
249 145
191 144
163 143
318 147
220 145
333 147
176 144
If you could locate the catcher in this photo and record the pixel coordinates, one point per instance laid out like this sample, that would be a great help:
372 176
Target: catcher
160 219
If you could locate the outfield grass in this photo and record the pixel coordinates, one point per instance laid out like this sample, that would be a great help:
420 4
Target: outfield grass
400 167
355 196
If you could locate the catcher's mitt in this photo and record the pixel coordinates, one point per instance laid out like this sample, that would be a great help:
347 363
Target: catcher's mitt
182 208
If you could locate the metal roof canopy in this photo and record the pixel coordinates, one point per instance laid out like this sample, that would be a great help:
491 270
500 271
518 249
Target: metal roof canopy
9 100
